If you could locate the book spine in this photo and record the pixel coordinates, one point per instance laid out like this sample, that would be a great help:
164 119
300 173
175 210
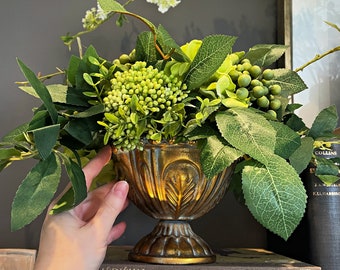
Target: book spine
323 217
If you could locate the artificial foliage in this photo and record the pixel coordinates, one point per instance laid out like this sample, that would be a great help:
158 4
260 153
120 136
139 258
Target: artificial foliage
235 106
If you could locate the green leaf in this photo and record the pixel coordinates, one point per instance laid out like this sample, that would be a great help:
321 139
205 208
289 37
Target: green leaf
77 192
16 134
111 6
7 153
328 179
289 81
325 123
35 192
41 90
40 119
168 43
264 55
45 139
216 156
94 110
145 48
208 59
326 166
275 195
72 69
85 66
248 131
57 91
287 140
61 93
303 155
4 164
80 129
295 123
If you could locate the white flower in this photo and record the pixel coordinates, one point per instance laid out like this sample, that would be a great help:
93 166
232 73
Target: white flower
101 14
163 5
94 17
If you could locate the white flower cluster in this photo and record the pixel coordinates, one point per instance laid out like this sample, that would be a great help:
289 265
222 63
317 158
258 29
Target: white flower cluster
164 5
93 17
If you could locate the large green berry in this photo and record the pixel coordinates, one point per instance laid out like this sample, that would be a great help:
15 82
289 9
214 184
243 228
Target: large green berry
243 80
275 104
255 71
263 102
256 82
268 74
242 93
258 91
275 89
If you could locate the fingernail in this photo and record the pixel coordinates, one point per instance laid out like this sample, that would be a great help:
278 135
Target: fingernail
121 188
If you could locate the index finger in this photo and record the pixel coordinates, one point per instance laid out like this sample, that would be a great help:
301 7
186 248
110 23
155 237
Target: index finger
95 165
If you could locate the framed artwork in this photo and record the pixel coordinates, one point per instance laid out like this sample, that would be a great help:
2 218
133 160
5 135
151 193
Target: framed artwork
308 33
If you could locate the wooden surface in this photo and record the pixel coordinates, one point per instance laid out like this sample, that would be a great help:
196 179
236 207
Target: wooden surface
227 259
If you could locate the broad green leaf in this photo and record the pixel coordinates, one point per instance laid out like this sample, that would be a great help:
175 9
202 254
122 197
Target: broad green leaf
94 110
58 92
295 123
76 97
35 192
275 195
303 155
45 139
78 191
86 67
168 43
41 90
61 93
6 153
4 164
80 129
326 169
145 48
287 140
198 133
325 123
64 203
265 54
247 131
72 69
216 156
328 179
16 134
111 6
208 59
40 119
289 80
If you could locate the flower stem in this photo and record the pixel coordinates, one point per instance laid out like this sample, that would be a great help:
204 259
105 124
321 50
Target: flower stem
316 58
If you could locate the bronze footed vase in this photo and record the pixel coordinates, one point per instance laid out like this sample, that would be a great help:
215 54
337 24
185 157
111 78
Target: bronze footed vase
167 183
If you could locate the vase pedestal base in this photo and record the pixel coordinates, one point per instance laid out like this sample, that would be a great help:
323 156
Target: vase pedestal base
172 242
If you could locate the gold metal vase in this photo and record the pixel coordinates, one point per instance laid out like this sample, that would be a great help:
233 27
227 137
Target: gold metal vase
167 183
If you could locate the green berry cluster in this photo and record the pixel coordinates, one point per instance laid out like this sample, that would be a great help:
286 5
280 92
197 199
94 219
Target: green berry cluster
257 85
137 102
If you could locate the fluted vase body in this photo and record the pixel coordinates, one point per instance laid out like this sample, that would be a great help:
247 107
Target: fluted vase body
167 183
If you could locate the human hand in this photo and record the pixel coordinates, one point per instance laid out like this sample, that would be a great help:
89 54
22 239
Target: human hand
78 238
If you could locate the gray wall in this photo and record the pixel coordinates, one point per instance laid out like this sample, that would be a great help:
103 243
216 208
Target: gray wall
30 30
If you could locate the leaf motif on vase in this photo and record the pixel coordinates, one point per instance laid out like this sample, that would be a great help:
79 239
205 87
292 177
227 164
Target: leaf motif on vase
181 178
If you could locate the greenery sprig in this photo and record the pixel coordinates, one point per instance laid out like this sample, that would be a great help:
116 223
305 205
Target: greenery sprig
232 104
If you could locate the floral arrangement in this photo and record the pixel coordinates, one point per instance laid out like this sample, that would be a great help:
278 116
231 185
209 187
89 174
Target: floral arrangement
232 104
